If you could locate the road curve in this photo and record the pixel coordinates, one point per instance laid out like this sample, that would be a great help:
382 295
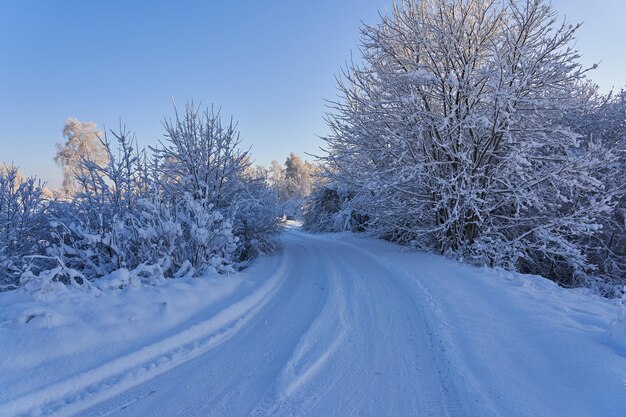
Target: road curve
340 335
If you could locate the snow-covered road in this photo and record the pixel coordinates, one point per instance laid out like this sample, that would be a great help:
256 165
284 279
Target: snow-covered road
340 336
342 326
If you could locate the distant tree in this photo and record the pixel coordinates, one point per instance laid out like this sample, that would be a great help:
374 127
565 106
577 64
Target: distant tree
293 182
300 176
82 142
276 178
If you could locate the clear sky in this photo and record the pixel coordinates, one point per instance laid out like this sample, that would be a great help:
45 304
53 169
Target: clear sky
269 63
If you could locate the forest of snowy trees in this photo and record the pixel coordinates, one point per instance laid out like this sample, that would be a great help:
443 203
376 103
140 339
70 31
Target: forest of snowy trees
471 129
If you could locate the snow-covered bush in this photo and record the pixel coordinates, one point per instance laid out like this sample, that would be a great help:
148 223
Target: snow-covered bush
52 274
210 243
101 229
255 211
454 136
120 218
201 162
22 223
186 209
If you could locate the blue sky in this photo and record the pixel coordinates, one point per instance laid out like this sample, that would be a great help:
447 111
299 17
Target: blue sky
268 63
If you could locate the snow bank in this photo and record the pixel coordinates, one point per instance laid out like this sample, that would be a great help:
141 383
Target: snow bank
50 336
67 344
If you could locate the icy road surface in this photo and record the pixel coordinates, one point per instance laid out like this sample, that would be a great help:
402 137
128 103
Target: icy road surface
342 326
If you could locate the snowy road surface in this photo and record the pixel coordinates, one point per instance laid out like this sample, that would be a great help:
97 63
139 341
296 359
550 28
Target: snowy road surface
339 336
344 326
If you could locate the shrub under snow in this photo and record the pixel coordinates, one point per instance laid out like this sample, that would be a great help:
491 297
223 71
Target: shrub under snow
22 221
185 209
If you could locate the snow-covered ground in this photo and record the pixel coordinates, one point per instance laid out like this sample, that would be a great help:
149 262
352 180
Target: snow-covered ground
334 325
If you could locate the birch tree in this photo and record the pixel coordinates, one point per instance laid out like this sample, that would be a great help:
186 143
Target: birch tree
82 141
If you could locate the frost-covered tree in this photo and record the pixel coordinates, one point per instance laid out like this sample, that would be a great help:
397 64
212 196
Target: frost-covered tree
22 223
293 182
452 135
255 211
276 178
603 118
201 163
82 141
300 176
202 156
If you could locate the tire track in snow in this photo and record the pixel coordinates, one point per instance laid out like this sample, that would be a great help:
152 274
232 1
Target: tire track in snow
434 333
316 346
